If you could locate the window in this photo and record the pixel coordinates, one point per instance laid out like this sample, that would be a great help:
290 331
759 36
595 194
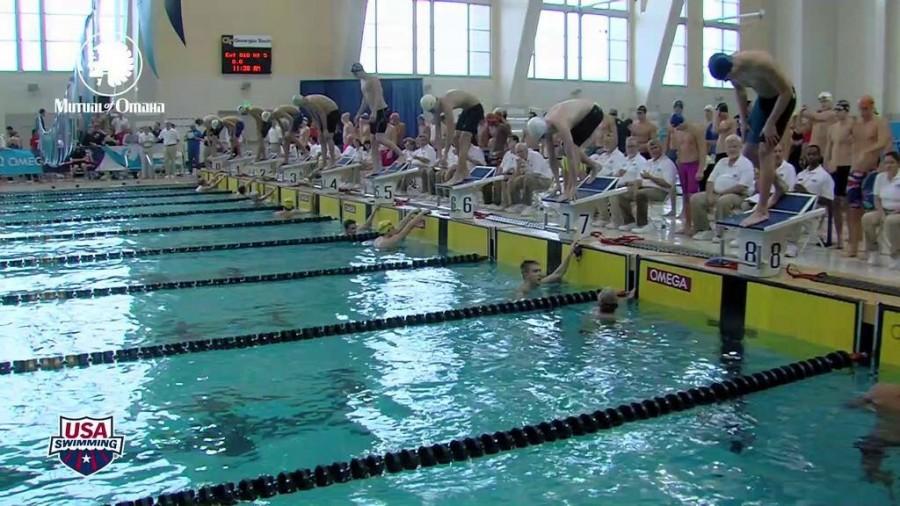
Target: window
720 34
9 52
583 40
398 37
676 65
46 35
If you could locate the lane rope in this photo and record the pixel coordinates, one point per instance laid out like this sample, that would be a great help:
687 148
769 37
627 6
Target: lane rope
145 215
125 206
154 352
474 447
85 191
137 253
159 230
122 197
90 293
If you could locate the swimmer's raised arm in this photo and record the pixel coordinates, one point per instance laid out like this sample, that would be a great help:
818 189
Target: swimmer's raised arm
560 271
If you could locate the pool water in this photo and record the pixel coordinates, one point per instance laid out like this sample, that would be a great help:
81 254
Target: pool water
228 415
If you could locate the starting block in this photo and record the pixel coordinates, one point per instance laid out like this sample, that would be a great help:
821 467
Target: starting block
762 245
334 177
384 183
263 168
462 195
577 213
234 165
295 171
217 163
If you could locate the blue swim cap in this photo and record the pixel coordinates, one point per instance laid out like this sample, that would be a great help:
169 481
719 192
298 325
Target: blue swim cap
676 119
720 65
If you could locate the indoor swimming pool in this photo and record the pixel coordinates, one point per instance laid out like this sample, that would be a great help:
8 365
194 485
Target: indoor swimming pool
225 415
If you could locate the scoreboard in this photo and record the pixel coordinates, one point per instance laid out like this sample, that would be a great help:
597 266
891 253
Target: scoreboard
246 54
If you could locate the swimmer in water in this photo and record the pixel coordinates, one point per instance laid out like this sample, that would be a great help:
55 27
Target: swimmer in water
391 237
205 187
287 211
608 303
767 122
351 228
254 196
533 276
884 400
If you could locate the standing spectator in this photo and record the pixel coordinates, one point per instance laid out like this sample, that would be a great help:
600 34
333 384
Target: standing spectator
12 138
35 142
147 140
623 129
194 138
41 122
169 138
396 129
424 127
119 126
156 129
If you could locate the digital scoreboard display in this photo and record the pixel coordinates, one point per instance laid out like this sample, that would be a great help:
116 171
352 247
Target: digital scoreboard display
246 54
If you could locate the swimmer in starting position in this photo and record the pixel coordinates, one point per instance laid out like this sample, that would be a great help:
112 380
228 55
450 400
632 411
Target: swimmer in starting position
459 135
262 127
324 113
571 122
767 121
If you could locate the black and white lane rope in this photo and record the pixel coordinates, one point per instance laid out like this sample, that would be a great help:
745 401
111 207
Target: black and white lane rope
169 214
155 352
126 206
90 293
473 447
37 196
138 195
138 253
162 230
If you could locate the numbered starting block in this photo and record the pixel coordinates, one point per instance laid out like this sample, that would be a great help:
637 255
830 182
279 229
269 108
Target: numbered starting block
263 168
217 162
762 246
463 195
294 172
334 177
235 166
576 214
384 183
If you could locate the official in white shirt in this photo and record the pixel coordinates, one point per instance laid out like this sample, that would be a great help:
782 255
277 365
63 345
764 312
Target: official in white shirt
629 174
887 211
610 159
729 183
532 174
424 157
814 180
274 138
657 180
170 139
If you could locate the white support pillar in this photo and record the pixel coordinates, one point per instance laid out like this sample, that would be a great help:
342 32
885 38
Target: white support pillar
652 47
348 23
518 26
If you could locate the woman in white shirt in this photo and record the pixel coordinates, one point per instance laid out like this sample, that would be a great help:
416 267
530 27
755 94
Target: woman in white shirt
886 213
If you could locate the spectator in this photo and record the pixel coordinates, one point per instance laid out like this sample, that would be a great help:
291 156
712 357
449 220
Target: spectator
887 212
396 131
532 174
731 179
623 129
170 139
194 138
35 142
424 127
12 138
499 131
814 180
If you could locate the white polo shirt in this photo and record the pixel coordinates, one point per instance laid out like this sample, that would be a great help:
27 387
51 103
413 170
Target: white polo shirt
508 164
169 136
610 162
425 151
817 182
537 164
888 191
787 173
662 168
726 175
274 135
475 153
632 169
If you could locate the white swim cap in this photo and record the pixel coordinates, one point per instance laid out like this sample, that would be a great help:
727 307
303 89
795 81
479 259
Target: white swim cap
428 103
536 128
297 100
215 123
266 115
242 109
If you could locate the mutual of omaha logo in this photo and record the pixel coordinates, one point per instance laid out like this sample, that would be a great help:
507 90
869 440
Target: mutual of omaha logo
114 66
86 445
669 279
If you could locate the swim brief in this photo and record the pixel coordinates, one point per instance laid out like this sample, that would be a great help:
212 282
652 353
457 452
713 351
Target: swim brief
583 130
470 118
762 109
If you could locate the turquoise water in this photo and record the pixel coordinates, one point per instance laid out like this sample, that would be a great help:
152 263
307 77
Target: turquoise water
229 415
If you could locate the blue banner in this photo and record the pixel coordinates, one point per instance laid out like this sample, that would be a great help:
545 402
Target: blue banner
16 162
120 158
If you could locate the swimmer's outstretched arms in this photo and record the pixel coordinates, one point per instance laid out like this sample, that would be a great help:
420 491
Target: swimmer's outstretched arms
391 237
608 302
533 276
351 227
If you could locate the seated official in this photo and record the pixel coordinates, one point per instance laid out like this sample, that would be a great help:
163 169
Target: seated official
609 158
732 180
814 180
657 181
532 173
886 214
629 174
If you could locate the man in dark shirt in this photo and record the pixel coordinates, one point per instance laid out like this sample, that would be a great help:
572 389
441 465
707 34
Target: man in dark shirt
622 130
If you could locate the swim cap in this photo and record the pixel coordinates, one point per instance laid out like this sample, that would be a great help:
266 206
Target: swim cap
678 103
842 105
428 103
608 297
720 66
242 108
866 101
297 100
709 107
642 108
356 67
216 123
384 226
536 128
722 107
266 115
676 119
825 95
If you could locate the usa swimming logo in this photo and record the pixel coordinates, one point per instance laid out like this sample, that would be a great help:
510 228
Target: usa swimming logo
86 445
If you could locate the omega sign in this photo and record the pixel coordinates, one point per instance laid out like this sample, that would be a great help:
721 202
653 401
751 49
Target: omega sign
669 279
